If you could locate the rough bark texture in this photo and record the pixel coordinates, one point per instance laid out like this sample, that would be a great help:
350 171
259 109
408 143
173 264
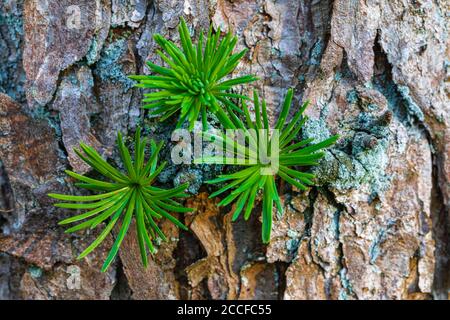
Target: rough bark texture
377 225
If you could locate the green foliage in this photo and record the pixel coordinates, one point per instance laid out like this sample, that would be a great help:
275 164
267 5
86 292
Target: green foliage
192 83
122 196
194 79
247 183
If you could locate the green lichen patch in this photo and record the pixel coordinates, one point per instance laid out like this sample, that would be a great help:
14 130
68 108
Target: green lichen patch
316 53
109 68
12 76
412 107
91 56
400 101
35 272
352 96
316 129
347 289
365 165
361 155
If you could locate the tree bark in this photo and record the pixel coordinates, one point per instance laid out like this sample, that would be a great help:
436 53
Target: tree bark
375 227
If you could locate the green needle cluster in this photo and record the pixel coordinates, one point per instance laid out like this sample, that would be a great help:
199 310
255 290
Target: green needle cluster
193 81
122 196
247 183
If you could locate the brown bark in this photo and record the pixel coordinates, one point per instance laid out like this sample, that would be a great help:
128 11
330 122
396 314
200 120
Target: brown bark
377 225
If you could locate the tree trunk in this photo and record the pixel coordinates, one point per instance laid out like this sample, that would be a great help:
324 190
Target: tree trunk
375 227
